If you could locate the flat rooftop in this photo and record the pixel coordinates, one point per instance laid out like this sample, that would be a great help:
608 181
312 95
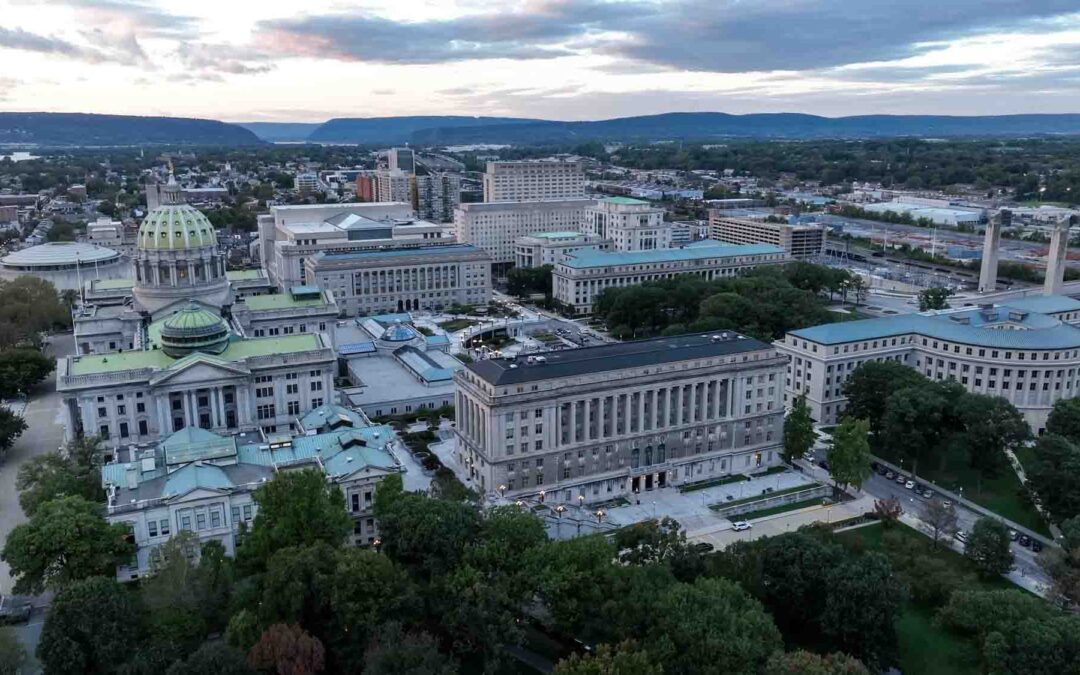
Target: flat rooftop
592 258
281 301
238 350
620 356
449 249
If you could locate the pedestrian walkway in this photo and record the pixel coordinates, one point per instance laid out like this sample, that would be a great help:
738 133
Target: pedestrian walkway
1018 468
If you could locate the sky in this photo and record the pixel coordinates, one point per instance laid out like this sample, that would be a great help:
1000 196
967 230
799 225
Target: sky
247 60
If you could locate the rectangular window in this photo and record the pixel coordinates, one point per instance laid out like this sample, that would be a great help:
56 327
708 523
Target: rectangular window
164 527
151 528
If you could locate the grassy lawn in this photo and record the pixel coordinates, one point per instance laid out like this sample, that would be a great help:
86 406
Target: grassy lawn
457 324
783 508
926 648
1001 495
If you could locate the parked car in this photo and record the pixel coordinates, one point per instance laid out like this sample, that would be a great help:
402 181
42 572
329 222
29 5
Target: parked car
1013 535
901 479
910 485
1024 540
946 503
961 536
1036 545
890 475
740 525
823 464
14 609
703 547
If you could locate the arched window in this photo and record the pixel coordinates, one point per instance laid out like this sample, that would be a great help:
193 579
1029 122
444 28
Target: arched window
635 458
661 453
648 455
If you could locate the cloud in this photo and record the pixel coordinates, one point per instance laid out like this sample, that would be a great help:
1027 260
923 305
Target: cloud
222 59
537 30
17 38
132 15
726 36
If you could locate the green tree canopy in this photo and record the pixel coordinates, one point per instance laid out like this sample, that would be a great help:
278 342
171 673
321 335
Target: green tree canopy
868 389
988 547
66 540
11 427
625 658
849 454
808 663
934 298
73 471
799 434
1064 419
296 508
91 627
21 369
1055 475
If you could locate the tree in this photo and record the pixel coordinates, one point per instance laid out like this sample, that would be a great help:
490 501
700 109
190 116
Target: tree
366 591
888 510
941 518
988 547
288 650
1055 475
799 434
625 658
74 471
849 454
21 369
213 657
863 605
1063 565
427 535
710 626
934 298
918 419
28 307
990 427
91 627
11 427
64 541
868 389
395 652
808 663
296 508
1064 419
12 653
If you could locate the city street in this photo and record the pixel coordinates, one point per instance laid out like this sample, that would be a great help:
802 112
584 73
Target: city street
45 432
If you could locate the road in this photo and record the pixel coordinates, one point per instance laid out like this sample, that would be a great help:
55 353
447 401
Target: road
44 433
1028 571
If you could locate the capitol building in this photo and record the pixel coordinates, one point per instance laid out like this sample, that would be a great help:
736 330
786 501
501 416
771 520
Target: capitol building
187 344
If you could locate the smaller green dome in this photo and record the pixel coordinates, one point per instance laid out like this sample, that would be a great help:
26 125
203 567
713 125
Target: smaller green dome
194 329
176 227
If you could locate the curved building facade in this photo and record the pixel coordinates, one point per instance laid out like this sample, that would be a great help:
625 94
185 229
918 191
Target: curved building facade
1026 351
66 264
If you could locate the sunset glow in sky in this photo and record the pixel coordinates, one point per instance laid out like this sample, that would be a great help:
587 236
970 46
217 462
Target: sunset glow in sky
559 59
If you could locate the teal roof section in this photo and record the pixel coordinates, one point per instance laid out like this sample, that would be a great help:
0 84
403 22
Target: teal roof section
245 275
626 201
331 417
192 444
1002 327
591 258
1045 304
273 301
176 227
193 477
193 329
557 235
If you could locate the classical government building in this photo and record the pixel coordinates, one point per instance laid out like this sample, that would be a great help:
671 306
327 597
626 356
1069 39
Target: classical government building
579 278
614 420
199 481
1026 350
176 349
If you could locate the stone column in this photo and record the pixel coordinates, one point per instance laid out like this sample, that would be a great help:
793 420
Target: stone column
573 422
216 418
164 414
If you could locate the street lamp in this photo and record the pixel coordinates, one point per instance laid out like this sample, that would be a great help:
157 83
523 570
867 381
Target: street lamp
542 493
600 513
558 527
520 504
580 501
377 543
502 490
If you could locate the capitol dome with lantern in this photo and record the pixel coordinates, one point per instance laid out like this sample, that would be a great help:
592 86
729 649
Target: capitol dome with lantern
177 256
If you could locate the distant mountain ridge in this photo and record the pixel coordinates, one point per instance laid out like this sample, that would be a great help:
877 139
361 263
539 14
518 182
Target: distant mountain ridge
391 130
704 126
281 132
87 130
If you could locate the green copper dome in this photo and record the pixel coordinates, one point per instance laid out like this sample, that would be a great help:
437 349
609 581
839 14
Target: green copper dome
176 227
194 329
